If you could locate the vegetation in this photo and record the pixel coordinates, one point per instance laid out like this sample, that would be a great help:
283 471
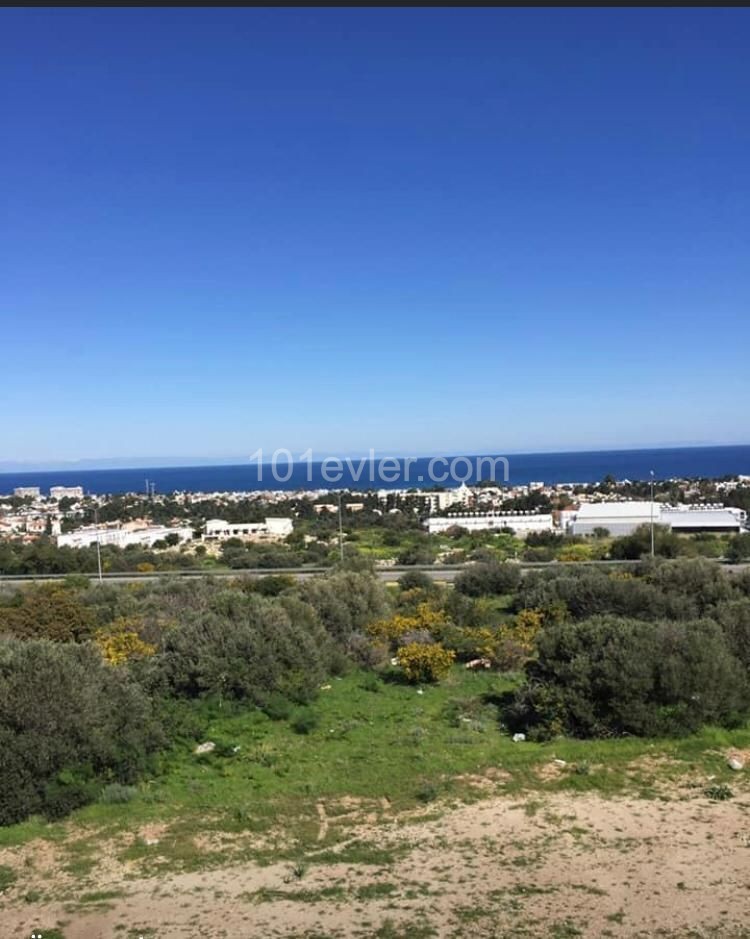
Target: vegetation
128 673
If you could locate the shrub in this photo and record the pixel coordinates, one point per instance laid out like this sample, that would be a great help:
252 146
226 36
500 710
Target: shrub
488 578
67 720
427 791
119 642
245 647
367 652
738 548
416 580
425 619
48 612
117 794
7 877
425 663
304 721
608 675
277 707
734 618
273 584
346 601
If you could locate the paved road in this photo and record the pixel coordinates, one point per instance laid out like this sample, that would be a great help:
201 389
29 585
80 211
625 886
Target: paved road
442 573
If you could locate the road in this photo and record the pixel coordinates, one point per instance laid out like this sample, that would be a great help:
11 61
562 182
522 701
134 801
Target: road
442 573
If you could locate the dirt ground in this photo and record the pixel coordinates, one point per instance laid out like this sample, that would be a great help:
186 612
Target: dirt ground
556 865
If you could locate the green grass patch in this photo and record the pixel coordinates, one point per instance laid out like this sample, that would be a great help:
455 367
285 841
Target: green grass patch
7 877
363 753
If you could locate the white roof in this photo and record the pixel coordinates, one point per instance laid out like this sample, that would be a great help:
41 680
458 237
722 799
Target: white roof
593 511
704 518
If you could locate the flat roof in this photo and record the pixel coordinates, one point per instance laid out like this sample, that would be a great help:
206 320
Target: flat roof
622 510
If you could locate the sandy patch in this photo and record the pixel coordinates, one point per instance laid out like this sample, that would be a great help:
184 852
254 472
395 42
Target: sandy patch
560 865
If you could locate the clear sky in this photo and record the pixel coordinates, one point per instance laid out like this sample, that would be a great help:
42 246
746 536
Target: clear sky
417 230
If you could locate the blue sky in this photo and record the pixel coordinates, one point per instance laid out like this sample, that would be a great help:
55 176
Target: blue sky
417 230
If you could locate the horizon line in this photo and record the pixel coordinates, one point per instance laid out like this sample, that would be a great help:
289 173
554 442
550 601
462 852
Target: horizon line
10 467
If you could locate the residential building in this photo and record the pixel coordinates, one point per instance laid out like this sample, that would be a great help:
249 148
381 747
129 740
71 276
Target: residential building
271 528
121 537
66 492
27 492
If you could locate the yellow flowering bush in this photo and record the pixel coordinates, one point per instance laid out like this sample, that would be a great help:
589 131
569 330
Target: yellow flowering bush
425 618
506 646
120 642
425 663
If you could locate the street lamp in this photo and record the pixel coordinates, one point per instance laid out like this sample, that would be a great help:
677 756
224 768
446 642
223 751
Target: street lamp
341 531
652 513
98 547
96 524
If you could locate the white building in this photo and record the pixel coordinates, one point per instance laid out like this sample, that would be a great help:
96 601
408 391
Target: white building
66 492
619 518
522 523
622 518
710 518
121 537
270 528
434 501
27 492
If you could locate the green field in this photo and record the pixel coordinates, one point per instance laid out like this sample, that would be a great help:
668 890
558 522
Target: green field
378 742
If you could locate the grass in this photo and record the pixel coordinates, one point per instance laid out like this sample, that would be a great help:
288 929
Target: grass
387 752
7 877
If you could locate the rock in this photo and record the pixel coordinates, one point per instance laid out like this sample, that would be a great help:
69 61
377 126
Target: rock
519 738
735 763
206 747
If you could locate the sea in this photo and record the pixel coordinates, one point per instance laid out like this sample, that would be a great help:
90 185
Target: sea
358 474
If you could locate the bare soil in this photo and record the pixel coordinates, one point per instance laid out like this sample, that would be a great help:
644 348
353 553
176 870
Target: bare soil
556 865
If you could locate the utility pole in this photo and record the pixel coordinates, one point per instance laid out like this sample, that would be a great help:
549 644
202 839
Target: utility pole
341 530
98 546
652 513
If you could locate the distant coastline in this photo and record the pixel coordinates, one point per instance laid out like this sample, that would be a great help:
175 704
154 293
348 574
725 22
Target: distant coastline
571 467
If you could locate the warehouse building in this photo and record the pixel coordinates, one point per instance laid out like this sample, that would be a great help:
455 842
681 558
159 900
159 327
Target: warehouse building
622 518
522 523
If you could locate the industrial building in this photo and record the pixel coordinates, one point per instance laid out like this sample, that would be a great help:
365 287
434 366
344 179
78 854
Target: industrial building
522 523
622 518
708 518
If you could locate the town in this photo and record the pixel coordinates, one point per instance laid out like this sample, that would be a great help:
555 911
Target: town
419 526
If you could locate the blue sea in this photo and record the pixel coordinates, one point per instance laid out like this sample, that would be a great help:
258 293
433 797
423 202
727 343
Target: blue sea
448 471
